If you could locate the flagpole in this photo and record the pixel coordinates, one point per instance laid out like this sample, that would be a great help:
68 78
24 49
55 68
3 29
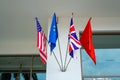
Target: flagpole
65 66
55 57
62 69
71 58
57 61
68 63
65 58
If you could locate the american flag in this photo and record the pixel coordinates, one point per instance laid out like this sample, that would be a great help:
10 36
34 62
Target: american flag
41 42
74 43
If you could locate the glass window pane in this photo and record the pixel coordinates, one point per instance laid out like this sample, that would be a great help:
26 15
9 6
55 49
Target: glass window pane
108 62
101 78
41 76
22 76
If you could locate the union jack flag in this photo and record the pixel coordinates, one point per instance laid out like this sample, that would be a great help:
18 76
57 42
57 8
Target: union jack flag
74 43
41 42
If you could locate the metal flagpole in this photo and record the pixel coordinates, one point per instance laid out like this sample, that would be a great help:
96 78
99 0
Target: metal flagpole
60 55
68 63
55 57
57 61
71 58
66 55
62 69
65 58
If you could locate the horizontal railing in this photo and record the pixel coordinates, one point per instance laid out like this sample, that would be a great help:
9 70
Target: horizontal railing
101 77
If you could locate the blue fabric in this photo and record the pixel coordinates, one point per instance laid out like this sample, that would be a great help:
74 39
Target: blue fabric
53 35
39 28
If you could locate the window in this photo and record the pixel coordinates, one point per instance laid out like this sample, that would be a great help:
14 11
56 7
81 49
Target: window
108 64
19 67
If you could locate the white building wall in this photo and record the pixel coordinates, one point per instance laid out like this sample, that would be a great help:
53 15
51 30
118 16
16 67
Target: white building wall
73 71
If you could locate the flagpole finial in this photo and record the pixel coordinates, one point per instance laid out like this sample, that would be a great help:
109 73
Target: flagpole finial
90 18
36 18
72 13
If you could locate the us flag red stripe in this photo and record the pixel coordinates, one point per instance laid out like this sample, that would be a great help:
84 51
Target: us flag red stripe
41 42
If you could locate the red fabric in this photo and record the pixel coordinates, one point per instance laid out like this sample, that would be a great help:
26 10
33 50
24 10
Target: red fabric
86 41
41 42
42 46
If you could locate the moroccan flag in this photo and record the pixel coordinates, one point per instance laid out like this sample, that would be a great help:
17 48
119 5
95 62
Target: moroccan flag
41 42
74 43
86 41
53 35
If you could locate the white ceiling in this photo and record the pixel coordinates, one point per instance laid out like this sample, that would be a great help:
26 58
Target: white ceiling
17 16
17 21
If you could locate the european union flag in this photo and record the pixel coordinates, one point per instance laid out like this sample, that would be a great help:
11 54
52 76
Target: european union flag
53 33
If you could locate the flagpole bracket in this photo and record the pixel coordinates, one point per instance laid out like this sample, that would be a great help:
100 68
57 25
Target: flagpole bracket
63 70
